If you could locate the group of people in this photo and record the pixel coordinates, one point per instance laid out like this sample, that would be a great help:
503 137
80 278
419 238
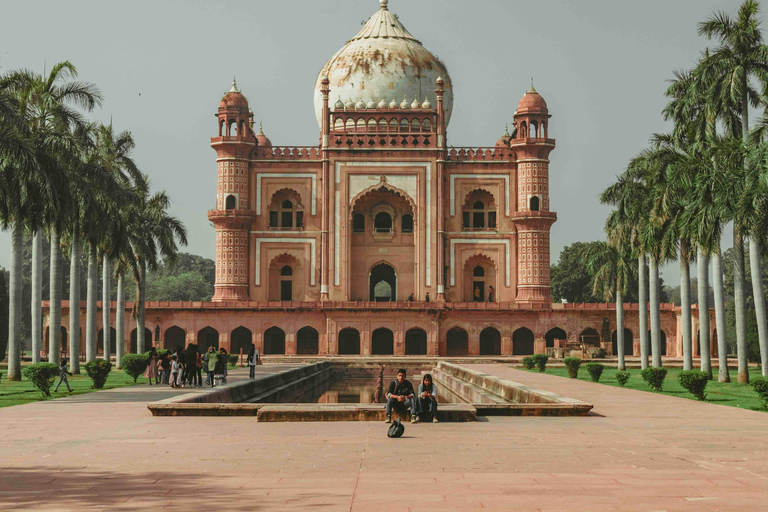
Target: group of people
401 396
182 368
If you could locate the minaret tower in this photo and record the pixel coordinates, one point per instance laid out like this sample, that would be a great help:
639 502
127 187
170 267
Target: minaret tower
233 214
533 218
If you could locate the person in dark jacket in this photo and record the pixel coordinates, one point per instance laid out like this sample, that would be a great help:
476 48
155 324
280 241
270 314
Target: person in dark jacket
401 395
63 372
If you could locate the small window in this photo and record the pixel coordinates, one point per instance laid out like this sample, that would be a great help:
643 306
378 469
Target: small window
273 219
535 203
478 205
478 219
231 202
382 223
407 223
287 204
465 219
287 219
358 223
478 271
286 271
492 220
299 219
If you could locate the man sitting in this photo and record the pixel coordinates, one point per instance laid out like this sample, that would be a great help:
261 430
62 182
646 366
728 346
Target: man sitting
401 396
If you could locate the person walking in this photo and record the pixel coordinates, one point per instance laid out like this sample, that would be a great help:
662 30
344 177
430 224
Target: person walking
151 371
63 372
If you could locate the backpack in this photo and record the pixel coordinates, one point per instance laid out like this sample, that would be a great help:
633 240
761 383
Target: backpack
396 429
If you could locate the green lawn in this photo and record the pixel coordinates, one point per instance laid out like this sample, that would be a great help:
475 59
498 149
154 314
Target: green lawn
732 394
23 392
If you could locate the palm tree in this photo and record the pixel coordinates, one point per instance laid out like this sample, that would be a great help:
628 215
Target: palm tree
612 267
629 195
740 58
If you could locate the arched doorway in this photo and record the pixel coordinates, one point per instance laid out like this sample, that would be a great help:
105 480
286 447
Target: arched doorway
553 334
457 342
383 283
522 342
490 342
100 342
416 342
242 339
382 342
207 337
307 341
590 337
147 340
274 341
628 343
64 347
349 342
174 338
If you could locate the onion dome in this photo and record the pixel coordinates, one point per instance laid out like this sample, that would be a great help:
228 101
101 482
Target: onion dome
532 103
383 103
416 104
404 104
384 59
504 140
339 105
426 105
371 105
393 103
360 105
262 139
349 105
234 98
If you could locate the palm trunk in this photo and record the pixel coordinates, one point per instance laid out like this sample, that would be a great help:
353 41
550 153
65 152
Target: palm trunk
685 309
620 326
140 342
14 309
54 315
756 268
703 273
653 284
722 344
91 323
37 295
120 322
106 307
74 299
739 301
642 297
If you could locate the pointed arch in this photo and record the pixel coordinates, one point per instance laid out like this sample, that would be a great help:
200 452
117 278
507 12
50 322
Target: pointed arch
522 342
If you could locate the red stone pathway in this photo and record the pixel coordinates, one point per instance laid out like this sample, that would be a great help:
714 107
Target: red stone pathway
639 452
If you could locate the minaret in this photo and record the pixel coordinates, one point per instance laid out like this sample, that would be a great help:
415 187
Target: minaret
533 218
233 214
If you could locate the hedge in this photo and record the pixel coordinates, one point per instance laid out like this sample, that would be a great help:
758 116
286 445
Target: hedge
654 377
595 370
540 360
528 362
98 371
42 376
622 376
760 384
134 364
572 365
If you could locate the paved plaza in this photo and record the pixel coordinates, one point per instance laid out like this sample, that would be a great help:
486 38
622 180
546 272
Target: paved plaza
636 452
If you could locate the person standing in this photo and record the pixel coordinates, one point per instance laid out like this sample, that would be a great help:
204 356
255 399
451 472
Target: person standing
198 368
151 371
165 368
253 360
210 365
176 368
63 372
490 294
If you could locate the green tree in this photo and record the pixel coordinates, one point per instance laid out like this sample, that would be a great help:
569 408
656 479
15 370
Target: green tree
187 287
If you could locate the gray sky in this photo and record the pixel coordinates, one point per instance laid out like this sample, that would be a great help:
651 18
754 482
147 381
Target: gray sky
163 66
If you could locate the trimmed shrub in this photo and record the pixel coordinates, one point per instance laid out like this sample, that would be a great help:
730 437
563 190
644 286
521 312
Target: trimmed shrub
134 364
572 365
695 381
654 377
622 376
528 362
595 370
540 360
42 376
233 359
98 371
760 384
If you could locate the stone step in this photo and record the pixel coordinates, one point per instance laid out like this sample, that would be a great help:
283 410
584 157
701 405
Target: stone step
354 412
465 390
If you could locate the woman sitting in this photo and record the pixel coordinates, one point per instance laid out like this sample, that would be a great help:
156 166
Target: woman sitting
427 397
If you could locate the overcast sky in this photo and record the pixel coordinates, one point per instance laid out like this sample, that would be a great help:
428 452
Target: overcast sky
602 67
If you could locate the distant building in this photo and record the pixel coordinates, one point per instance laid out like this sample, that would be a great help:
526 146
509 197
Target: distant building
384 238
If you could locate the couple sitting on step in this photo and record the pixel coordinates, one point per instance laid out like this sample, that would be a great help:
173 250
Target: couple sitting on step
401 396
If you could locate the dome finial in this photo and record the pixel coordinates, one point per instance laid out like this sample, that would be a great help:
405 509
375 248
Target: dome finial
234 85
383 3
531 90
506 131
261 132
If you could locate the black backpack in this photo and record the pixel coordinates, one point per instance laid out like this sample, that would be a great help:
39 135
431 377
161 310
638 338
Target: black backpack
396 429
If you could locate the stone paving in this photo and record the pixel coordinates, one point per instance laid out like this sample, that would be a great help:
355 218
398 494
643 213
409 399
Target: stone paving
636 452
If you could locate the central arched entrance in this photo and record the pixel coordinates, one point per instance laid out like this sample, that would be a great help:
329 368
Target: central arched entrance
416 342
349 342
383 283
457 342
382 342
490 342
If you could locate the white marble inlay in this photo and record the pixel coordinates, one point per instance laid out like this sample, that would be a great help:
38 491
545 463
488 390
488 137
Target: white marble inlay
505 177
310 175
313 256
480 241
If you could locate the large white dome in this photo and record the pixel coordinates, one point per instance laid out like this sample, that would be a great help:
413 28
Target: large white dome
384 61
